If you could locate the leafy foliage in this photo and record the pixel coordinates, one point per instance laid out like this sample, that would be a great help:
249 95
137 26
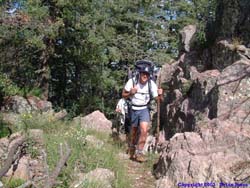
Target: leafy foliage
75 53
7 87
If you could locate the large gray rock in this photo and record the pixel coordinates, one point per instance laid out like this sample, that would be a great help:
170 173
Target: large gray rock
21 171
18 104
187 35
234 92
96 120
27 166
198 157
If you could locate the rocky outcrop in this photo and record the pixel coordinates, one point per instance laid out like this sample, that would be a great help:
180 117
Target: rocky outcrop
195 93
206 112
198 156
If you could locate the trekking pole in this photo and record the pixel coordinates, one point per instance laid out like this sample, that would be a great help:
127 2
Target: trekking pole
158 112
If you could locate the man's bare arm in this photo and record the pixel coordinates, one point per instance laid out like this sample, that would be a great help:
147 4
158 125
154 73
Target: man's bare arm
125 94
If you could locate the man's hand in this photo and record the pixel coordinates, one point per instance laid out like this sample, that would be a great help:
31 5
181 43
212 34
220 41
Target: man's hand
133 90
118 110
127 94
160 91
160 94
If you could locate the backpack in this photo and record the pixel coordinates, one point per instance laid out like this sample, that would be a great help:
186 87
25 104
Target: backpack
153 69
153 72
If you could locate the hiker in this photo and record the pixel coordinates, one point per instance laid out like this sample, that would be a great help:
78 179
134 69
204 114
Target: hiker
139 95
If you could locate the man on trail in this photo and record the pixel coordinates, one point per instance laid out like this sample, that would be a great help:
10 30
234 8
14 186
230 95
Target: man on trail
139 93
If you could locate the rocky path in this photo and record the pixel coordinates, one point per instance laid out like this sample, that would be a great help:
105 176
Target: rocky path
140 174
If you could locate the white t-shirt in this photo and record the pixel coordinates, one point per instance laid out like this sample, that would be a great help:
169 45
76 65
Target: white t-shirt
142 97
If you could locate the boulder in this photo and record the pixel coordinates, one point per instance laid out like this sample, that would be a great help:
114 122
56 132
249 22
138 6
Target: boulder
22 169
96 120
187 35
18 104
27 165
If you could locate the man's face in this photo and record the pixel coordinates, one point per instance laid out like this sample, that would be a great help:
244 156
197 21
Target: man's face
144 76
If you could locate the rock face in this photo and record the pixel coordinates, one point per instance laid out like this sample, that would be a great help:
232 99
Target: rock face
214 105
195 93
206 112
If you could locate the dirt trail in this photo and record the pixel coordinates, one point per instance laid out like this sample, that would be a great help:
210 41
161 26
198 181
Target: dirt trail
140 174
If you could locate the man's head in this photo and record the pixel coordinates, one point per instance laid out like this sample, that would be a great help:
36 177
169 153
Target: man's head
144 74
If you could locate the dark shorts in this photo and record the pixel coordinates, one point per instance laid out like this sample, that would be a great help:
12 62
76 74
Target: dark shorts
138 116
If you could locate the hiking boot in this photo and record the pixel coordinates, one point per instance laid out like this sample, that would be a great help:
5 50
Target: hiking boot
131 152
140 158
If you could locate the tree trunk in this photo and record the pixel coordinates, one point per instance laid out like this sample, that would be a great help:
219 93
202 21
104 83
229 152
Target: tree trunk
44 76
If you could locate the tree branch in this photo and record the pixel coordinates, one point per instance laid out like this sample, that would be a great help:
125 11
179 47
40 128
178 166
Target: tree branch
63 159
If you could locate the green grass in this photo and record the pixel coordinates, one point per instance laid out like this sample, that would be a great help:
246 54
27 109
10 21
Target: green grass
151 160
91 184
3 131
84 157
12 183
46 122
3 128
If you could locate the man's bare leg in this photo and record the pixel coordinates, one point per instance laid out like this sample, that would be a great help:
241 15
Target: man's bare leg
142 140
133 142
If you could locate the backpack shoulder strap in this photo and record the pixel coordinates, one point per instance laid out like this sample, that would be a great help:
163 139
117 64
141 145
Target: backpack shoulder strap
135 80
150 89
